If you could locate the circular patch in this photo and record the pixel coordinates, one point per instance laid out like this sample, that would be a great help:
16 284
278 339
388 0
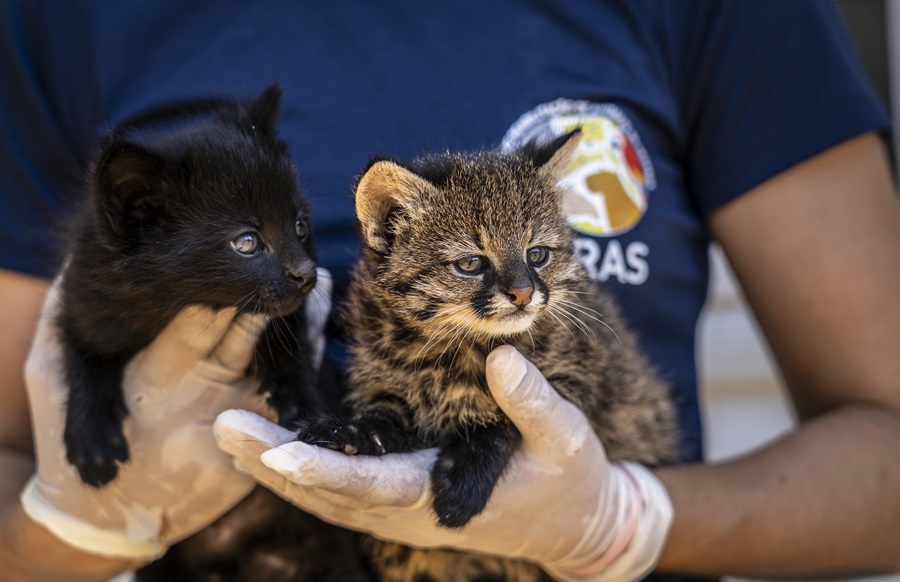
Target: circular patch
610 173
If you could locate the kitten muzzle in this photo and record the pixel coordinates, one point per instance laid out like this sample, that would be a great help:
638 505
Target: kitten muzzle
520 296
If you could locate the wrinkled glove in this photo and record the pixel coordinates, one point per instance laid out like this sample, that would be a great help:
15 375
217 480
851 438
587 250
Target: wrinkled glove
560 503
177 481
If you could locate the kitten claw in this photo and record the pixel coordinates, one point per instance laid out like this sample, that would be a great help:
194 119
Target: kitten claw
349 439
379 448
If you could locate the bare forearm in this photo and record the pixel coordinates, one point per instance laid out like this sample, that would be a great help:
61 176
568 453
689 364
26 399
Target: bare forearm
29 552
820 502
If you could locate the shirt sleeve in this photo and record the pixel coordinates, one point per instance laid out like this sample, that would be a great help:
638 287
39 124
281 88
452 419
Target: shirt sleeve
766 84
46 104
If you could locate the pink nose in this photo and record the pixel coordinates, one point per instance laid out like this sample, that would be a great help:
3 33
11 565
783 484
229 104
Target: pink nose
520 296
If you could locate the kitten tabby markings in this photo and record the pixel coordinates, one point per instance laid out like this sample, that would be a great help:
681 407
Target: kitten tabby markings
463 252
206 214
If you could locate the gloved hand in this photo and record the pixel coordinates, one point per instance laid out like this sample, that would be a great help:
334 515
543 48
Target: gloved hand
177 481
560 503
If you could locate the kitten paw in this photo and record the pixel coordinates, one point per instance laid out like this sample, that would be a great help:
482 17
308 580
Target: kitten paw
347 438
97 456
459 495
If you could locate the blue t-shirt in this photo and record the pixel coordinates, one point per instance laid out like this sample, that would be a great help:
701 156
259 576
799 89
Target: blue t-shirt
684 107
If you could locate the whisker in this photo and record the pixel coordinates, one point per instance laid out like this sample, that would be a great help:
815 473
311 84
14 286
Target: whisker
462 328
531 335
550 310
582 327
584 310
434 339
581 307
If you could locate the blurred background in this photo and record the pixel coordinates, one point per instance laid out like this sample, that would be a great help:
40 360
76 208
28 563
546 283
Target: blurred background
744 402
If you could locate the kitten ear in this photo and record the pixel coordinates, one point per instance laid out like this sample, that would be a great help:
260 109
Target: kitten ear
129 189
263 110
552 159
384 187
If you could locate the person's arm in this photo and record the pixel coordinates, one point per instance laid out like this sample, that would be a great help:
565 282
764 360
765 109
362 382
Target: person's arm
817 252
27 550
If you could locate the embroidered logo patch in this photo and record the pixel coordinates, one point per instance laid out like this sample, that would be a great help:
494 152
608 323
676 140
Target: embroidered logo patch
610 173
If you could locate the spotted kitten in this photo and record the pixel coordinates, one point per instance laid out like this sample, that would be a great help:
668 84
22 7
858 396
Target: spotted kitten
462 253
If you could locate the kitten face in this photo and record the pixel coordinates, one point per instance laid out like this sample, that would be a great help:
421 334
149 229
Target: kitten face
230 240
476 251
210 215
490 279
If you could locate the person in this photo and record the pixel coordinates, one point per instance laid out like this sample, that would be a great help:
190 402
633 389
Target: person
743 122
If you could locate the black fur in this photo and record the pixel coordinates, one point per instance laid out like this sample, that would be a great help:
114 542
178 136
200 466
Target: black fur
155 237
264 539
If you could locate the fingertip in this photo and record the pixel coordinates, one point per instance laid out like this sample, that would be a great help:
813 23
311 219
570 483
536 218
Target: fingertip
324 280
505 368
225 422
281 461
224 431
516 384
237 344
306 464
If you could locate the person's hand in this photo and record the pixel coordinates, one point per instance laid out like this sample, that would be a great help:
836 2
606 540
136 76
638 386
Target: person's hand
559 503
177 481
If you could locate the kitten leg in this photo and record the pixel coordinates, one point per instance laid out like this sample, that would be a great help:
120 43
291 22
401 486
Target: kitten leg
283 364
467 469
95 410
376 430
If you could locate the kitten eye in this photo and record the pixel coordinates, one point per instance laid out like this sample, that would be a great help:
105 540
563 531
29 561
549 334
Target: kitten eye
246 243
537 256
301 227
470 265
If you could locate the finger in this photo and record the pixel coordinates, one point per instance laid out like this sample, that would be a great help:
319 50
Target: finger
401 480
52 302
552 428
45 355
346 512
237 345
246 436
318 304
235 428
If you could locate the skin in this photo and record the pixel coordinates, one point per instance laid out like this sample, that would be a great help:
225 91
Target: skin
27 550
817 250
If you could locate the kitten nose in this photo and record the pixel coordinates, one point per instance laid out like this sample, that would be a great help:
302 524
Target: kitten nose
520 296
304 274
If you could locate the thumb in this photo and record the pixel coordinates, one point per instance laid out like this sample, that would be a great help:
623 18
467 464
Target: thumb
318 303
551 427
237 345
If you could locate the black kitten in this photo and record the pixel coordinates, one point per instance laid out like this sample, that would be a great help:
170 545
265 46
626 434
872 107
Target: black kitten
206 213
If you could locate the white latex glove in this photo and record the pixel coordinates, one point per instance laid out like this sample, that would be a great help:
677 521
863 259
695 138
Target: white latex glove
177 481
560 503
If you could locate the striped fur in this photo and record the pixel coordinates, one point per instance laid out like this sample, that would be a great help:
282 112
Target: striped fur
420 329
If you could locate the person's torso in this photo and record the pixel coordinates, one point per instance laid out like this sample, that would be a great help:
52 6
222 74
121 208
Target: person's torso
371 78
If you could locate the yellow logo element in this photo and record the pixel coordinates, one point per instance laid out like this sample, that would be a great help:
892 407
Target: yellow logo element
607 180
